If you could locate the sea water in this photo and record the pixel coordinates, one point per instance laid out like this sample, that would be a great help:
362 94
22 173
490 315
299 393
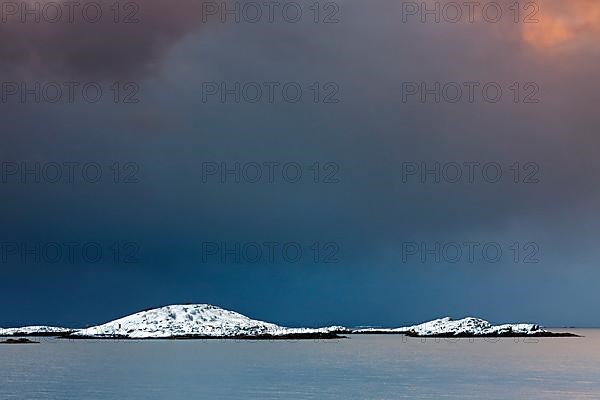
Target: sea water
360 367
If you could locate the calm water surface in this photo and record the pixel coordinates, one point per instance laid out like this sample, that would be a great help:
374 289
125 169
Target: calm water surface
362 367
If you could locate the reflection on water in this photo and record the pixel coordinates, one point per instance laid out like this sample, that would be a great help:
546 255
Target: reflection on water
363 367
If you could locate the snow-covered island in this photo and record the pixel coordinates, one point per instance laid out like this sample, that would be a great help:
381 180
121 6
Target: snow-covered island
199 321
36 331
205 321
466 327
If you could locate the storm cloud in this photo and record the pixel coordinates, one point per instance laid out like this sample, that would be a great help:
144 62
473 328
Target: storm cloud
101 39
370 134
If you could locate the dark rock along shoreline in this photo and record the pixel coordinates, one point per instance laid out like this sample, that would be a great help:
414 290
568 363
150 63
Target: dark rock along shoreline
295 336
299 336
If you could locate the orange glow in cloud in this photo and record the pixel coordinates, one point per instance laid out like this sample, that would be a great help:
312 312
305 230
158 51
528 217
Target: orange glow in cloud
564 23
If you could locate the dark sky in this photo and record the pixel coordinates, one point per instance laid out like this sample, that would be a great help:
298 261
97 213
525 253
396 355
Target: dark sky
367 234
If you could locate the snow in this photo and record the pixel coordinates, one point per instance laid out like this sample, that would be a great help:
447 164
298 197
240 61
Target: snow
33 330
201 320
205 320
462 327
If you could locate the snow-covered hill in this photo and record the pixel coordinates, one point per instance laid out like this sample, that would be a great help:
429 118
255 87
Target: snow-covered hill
467 327
193 320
